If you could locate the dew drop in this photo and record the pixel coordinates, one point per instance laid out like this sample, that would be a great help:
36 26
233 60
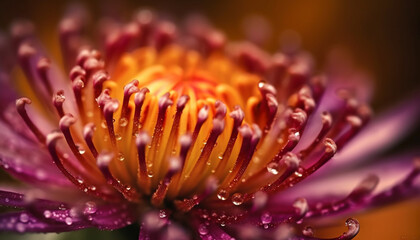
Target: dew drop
118 137
162 214
90 207
121 156
104 125
203 230
308 231
20 227
222 195
266 218
81 149
150 174
68 221
237 199
220 157
47 213
41 174
123 122
273 168
24 217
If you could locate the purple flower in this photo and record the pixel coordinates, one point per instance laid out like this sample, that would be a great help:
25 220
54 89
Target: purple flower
188 135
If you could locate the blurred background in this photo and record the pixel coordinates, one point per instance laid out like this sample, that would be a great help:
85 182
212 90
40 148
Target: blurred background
382 36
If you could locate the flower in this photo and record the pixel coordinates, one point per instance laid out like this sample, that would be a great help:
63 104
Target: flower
187 134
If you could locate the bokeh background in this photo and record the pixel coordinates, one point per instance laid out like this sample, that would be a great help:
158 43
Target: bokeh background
383 37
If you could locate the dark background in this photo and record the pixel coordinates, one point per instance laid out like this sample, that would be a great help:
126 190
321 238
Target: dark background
382 35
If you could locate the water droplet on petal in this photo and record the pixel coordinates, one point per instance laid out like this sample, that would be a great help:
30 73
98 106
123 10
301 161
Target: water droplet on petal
121 156
68 221
24 217
80 149
222 195
123 122
308 231
47 214
237 199
203 230
20 227
266 218
118 137
162 214
90 207
273 168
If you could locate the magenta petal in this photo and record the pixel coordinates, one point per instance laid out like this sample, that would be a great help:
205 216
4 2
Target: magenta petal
336 185
212 231
26 222
382 133
11 199
114 216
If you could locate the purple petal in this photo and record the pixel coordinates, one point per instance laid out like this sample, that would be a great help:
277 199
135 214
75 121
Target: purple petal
26 161
382 133
26 222
339 184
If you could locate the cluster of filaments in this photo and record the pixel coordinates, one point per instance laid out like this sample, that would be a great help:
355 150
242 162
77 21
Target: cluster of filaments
166 142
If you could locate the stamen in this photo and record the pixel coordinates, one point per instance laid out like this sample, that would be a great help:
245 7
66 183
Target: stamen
70 31
173 135
43 67
175 165
103 98
91 65
326 126
298 75
164 103
99 78
290 163
65 122
252 58
203 114
129 89
185 141
20 106
218 126
164 35
78 85
142 140
88 131
51 141
238 116
77 71
145 19
355 126
249 142
58 100
138 101
297 119
188 203
318 84
277 71
103 160
109 109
